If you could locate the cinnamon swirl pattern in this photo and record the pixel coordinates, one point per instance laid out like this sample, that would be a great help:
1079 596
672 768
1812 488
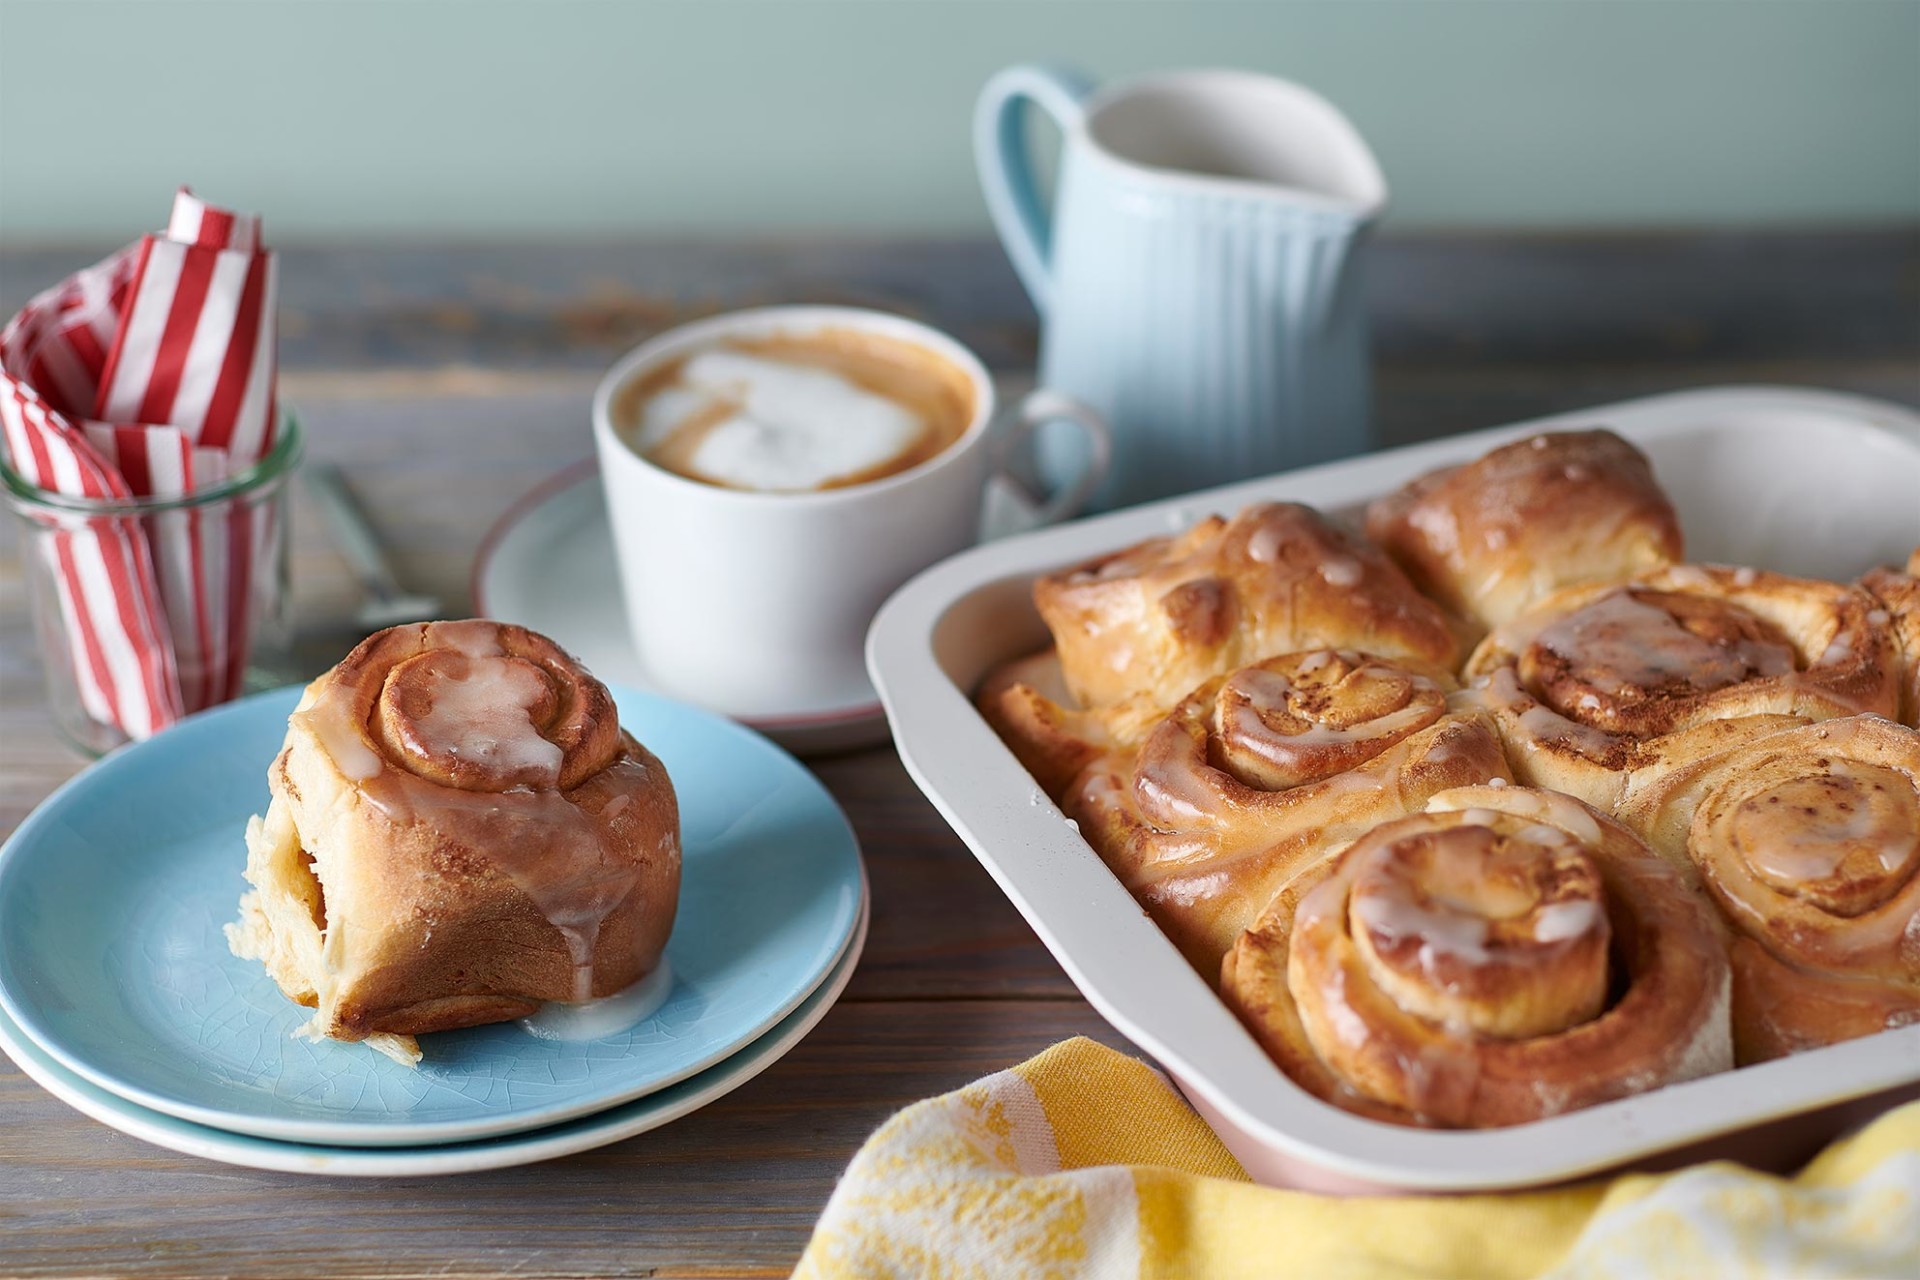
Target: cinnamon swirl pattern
1490 538
459 831
1600 686
1505 956
1899 595
1808 841
1259 773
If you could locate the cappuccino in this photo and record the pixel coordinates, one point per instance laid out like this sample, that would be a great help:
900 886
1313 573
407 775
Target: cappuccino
791 413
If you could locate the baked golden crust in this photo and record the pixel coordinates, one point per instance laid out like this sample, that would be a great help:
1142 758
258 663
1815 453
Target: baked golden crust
1601 685
459 831
1899 594
1504 956
1260 773
1157 619
1808 840
1027 703
1490 538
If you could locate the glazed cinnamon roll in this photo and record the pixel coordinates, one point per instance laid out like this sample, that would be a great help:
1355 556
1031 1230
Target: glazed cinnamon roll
1505 956
1600 685
1157 619
1490 538
459 831
1258 773
1899 596
1808 841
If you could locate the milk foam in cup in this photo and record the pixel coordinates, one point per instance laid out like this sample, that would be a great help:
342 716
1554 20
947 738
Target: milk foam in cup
792 412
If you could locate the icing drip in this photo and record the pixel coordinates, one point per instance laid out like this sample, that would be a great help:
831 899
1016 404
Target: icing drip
344 742
609 1015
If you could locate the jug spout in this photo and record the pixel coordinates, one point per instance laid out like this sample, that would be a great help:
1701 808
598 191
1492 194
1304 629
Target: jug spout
1264 136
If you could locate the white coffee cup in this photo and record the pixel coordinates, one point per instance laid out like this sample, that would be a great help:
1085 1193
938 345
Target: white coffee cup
757 603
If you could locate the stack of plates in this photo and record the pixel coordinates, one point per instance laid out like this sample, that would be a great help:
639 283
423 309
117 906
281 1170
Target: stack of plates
119 996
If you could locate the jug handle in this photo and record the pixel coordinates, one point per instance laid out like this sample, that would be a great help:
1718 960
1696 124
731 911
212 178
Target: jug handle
1006 164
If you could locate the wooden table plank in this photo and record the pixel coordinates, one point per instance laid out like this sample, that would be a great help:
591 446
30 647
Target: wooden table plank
730 1190
450 381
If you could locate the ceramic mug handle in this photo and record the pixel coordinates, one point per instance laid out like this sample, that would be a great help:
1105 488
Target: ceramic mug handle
1006 165
1036 410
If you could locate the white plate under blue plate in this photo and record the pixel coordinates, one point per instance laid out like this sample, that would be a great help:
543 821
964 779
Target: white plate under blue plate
584 1134
113 894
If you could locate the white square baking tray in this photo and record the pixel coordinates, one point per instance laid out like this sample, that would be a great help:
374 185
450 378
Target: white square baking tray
1803 482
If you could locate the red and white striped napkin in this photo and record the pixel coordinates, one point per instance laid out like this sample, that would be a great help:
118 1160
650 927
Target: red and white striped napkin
151 375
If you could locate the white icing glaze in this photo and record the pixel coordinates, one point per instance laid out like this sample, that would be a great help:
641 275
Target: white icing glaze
1808 843
1621 644
344 742
1263 546
1560 921
1442 932
1342 571
483 713
1544 723
609 1015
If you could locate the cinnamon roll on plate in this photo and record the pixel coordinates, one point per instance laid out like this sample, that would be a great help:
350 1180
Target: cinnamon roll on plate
1504 956
1598 687
1808 841
459 832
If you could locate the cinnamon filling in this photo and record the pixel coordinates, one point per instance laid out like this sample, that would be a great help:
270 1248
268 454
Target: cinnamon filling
1631 661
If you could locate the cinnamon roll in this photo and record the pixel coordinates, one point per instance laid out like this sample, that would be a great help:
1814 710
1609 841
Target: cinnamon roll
1600 685
1808 841
1157 619
1505 956
1260 772
1028 704
1899 596
459 831
1490 538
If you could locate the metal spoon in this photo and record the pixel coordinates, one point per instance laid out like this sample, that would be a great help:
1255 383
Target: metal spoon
387 603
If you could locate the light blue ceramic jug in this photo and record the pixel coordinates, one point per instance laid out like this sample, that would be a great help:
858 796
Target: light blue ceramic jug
1199 280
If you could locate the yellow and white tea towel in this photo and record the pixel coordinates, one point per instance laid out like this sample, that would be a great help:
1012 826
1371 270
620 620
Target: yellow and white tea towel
1084 1162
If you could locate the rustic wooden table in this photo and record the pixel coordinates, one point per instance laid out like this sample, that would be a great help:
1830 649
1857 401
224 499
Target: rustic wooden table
449 381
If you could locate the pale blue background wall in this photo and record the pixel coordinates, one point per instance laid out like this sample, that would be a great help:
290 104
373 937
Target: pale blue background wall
477 120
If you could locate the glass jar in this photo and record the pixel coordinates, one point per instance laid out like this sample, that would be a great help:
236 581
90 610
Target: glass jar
152 608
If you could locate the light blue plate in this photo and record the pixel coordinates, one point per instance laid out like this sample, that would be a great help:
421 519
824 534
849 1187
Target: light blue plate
582 1134
113 894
